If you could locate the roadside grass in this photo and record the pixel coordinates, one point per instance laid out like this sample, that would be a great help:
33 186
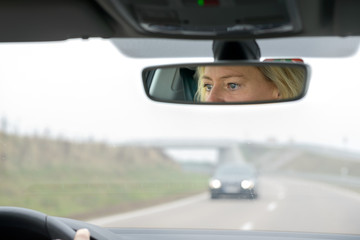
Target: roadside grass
324 164
332 167
75 193
66 179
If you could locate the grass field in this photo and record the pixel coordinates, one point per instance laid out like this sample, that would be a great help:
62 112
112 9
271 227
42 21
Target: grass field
68 179
331 166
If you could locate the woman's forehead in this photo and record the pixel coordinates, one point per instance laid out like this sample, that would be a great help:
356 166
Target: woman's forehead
238 70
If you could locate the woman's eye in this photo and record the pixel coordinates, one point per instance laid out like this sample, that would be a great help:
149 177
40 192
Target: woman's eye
208 87
233 86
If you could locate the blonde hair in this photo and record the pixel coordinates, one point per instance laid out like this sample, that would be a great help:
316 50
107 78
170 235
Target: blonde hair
288 80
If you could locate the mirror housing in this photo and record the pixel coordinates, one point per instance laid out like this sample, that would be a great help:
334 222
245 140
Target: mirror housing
227 82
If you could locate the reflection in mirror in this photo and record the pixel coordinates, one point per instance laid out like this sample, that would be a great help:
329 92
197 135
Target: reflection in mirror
250 82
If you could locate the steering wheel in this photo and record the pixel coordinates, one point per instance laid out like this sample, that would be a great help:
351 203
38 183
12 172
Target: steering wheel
34 221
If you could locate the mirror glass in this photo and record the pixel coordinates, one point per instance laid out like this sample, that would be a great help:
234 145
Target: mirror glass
227 82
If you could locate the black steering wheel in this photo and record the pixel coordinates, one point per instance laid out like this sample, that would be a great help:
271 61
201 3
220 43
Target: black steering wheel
22 219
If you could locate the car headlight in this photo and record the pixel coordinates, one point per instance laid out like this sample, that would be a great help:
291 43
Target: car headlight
247 184
215 183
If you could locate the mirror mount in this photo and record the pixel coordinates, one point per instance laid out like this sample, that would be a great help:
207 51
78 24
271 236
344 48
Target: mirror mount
236 50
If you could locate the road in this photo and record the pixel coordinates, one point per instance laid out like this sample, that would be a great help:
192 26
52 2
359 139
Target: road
284 204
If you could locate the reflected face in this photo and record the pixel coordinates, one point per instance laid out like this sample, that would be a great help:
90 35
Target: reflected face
237 84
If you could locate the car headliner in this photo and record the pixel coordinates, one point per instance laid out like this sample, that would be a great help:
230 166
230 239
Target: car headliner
42 20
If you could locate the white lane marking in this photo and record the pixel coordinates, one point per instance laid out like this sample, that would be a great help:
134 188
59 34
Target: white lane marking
280 189
272 206
281 196
138 213
247 226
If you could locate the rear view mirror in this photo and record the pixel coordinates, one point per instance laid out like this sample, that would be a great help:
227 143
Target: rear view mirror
227 82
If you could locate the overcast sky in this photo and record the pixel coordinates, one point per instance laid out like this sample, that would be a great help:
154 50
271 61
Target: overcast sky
88 89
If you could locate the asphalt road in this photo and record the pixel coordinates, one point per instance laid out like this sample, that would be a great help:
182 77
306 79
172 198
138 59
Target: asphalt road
284 204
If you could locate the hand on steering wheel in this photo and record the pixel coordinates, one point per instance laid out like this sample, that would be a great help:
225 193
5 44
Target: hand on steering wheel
82 234
28 220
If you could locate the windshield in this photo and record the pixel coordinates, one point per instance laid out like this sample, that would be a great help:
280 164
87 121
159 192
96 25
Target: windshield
80 139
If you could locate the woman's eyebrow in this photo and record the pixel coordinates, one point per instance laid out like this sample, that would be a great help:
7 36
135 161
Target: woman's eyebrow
224 77
231 76
206 77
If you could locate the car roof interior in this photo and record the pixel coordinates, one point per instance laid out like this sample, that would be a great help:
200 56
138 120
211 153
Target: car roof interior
42 20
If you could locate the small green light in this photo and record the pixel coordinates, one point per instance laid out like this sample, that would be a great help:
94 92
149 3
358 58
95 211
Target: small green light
201 2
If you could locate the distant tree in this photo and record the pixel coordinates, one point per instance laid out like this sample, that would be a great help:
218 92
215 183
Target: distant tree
272 140
4 125
47 133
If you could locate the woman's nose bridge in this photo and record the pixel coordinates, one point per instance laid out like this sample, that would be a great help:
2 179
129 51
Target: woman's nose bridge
216 93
